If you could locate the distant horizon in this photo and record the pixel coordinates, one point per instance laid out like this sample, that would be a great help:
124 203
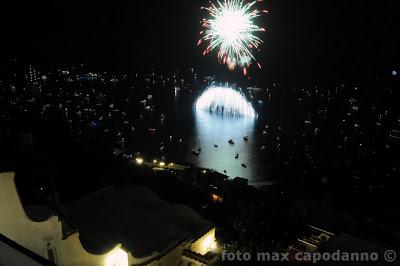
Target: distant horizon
357 77
305 40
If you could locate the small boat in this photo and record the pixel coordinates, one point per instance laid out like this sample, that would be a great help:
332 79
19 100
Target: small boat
224 171
244 166
195 152
231 142
237 156
263 148
215 146
246 138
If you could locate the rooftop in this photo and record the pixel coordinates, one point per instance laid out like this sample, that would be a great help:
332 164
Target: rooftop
134 217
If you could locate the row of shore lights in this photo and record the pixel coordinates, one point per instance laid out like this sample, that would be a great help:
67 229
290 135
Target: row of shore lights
161 164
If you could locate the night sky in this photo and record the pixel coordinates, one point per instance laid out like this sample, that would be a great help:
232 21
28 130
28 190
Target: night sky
306 39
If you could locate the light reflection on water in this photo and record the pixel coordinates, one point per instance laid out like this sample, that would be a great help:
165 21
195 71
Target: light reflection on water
210 129
204 129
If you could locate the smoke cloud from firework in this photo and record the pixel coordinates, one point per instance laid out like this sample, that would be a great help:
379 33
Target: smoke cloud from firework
231 29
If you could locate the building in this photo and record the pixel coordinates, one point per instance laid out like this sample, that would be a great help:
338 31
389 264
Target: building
332 232
128 226
32 81
12 254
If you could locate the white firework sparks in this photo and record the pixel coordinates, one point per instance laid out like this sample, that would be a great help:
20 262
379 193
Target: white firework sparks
232 30
226 101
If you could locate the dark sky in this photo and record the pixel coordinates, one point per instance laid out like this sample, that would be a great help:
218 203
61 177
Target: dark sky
304 38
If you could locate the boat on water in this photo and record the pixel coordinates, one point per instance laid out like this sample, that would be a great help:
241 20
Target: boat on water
244 166
231 142
246 138
215 146
196 151
237 156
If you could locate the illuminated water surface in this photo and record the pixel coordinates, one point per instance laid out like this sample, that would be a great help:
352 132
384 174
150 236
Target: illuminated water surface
210 129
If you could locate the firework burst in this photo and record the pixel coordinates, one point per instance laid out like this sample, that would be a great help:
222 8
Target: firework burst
232 30
225 100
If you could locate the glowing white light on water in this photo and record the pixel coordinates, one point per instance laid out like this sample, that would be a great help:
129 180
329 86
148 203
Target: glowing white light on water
226 101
